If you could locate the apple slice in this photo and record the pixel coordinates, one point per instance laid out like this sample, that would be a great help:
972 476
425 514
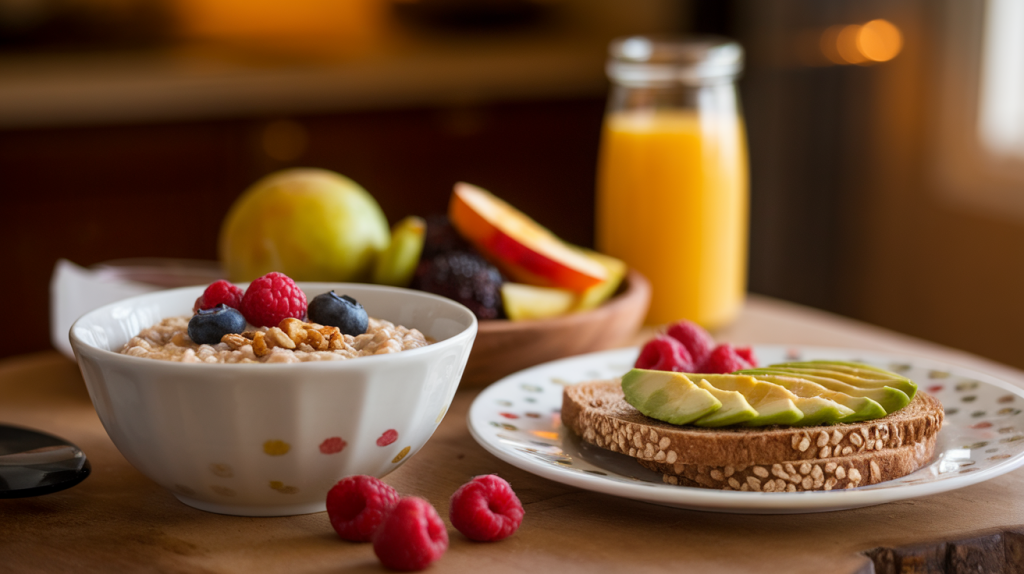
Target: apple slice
594 296
532 302
519 246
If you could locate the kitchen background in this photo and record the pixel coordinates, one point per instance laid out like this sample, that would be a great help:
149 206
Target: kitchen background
886 137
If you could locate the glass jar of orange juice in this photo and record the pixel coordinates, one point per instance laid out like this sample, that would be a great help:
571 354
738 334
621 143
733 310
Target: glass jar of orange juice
672 196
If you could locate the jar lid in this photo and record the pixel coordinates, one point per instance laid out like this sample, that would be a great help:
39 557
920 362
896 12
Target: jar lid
649 61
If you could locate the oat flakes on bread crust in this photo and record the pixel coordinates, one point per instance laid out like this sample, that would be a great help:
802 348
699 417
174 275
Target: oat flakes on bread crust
598 412
798 476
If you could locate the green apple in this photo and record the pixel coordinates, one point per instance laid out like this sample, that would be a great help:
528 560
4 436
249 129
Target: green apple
310 224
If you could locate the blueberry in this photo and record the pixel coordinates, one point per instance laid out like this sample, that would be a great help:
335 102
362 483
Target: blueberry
342 312
207 326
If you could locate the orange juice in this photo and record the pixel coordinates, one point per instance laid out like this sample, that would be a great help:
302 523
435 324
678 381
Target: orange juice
672 202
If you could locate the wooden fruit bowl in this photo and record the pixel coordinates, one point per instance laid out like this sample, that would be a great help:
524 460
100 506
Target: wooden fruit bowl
504 347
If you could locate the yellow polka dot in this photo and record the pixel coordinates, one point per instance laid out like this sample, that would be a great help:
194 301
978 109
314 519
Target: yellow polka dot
401 455
440 415
222 470
276 447
280 487
221 490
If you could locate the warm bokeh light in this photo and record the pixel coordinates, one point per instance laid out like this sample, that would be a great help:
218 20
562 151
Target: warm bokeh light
864 44
879 40
846 44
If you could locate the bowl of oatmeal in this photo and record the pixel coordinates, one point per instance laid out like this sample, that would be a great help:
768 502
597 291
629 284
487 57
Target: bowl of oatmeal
265 428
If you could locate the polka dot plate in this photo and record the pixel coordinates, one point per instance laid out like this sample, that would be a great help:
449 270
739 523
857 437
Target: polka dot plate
518 420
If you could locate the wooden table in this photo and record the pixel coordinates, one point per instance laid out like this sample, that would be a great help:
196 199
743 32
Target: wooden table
118 520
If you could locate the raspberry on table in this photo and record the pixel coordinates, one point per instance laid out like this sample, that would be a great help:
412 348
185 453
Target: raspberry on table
664 353
411 537
486 509
271 299
696 340
219 293
357 505
724 359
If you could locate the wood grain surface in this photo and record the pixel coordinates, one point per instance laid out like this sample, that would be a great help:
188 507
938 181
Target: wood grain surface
118 520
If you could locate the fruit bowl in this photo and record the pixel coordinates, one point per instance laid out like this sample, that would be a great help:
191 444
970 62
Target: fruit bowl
271 439
505 347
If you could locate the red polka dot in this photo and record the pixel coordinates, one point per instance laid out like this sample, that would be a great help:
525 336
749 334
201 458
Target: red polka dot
982 425
333 445
509 415
389 436
935 388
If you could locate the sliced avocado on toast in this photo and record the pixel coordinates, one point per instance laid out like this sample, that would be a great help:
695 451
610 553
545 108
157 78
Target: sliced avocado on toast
735 408
762 396
667 396
863 407
856 374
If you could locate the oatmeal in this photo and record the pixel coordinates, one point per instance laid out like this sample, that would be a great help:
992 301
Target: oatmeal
292 341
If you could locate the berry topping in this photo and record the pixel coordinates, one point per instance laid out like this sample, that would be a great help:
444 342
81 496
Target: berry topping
357 506
219 293
724 359
747 354
442 237
207 326
486 509
663 353
465 277
411 537
696 340
271 299
342 312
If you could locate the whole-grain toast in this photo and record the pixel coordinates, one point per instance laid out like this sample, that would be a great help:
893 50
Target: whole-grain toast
598 412
861 469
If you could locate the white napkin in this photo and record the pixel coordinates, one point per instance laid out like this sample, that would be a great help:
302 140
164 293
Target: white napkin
75 290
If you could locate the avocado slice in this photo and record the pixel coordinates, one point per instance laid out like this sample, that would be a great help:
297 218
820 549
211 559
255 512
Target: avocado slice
761 395
735 408
667 396
857 374
889 398
864 408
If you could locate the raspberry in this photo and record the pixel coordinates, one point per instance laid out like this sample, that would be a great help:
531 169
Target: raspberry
485 509
411 537
696 340
271 299
724 359
219 292
663 353
747 354
357 506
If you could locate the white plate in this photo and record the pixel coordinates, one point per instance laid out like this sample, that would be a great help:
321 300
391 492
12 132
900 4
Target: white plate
518 420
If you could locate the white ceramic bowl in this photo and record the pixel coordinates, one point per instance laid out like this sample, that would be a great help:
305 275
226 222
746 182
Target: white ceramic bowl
246 439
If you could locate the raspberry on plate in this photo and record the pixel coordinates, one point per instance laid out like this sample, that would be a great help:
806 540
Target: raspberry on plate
219 293
271 299
357 506
486 509
411 537
725 359
663 353
696 340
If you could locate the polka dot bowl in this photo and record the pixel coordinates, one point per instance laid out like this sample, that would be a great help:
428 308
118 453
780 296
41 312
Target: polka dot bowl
271 439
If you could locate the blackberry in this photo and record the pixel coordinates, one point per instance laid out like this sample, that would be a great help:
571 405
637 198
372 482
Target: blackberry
465 277
441 237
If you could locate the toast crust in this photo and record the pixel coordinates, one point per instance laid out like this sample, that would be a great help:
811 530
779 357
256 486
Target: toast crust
798 476
598 412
